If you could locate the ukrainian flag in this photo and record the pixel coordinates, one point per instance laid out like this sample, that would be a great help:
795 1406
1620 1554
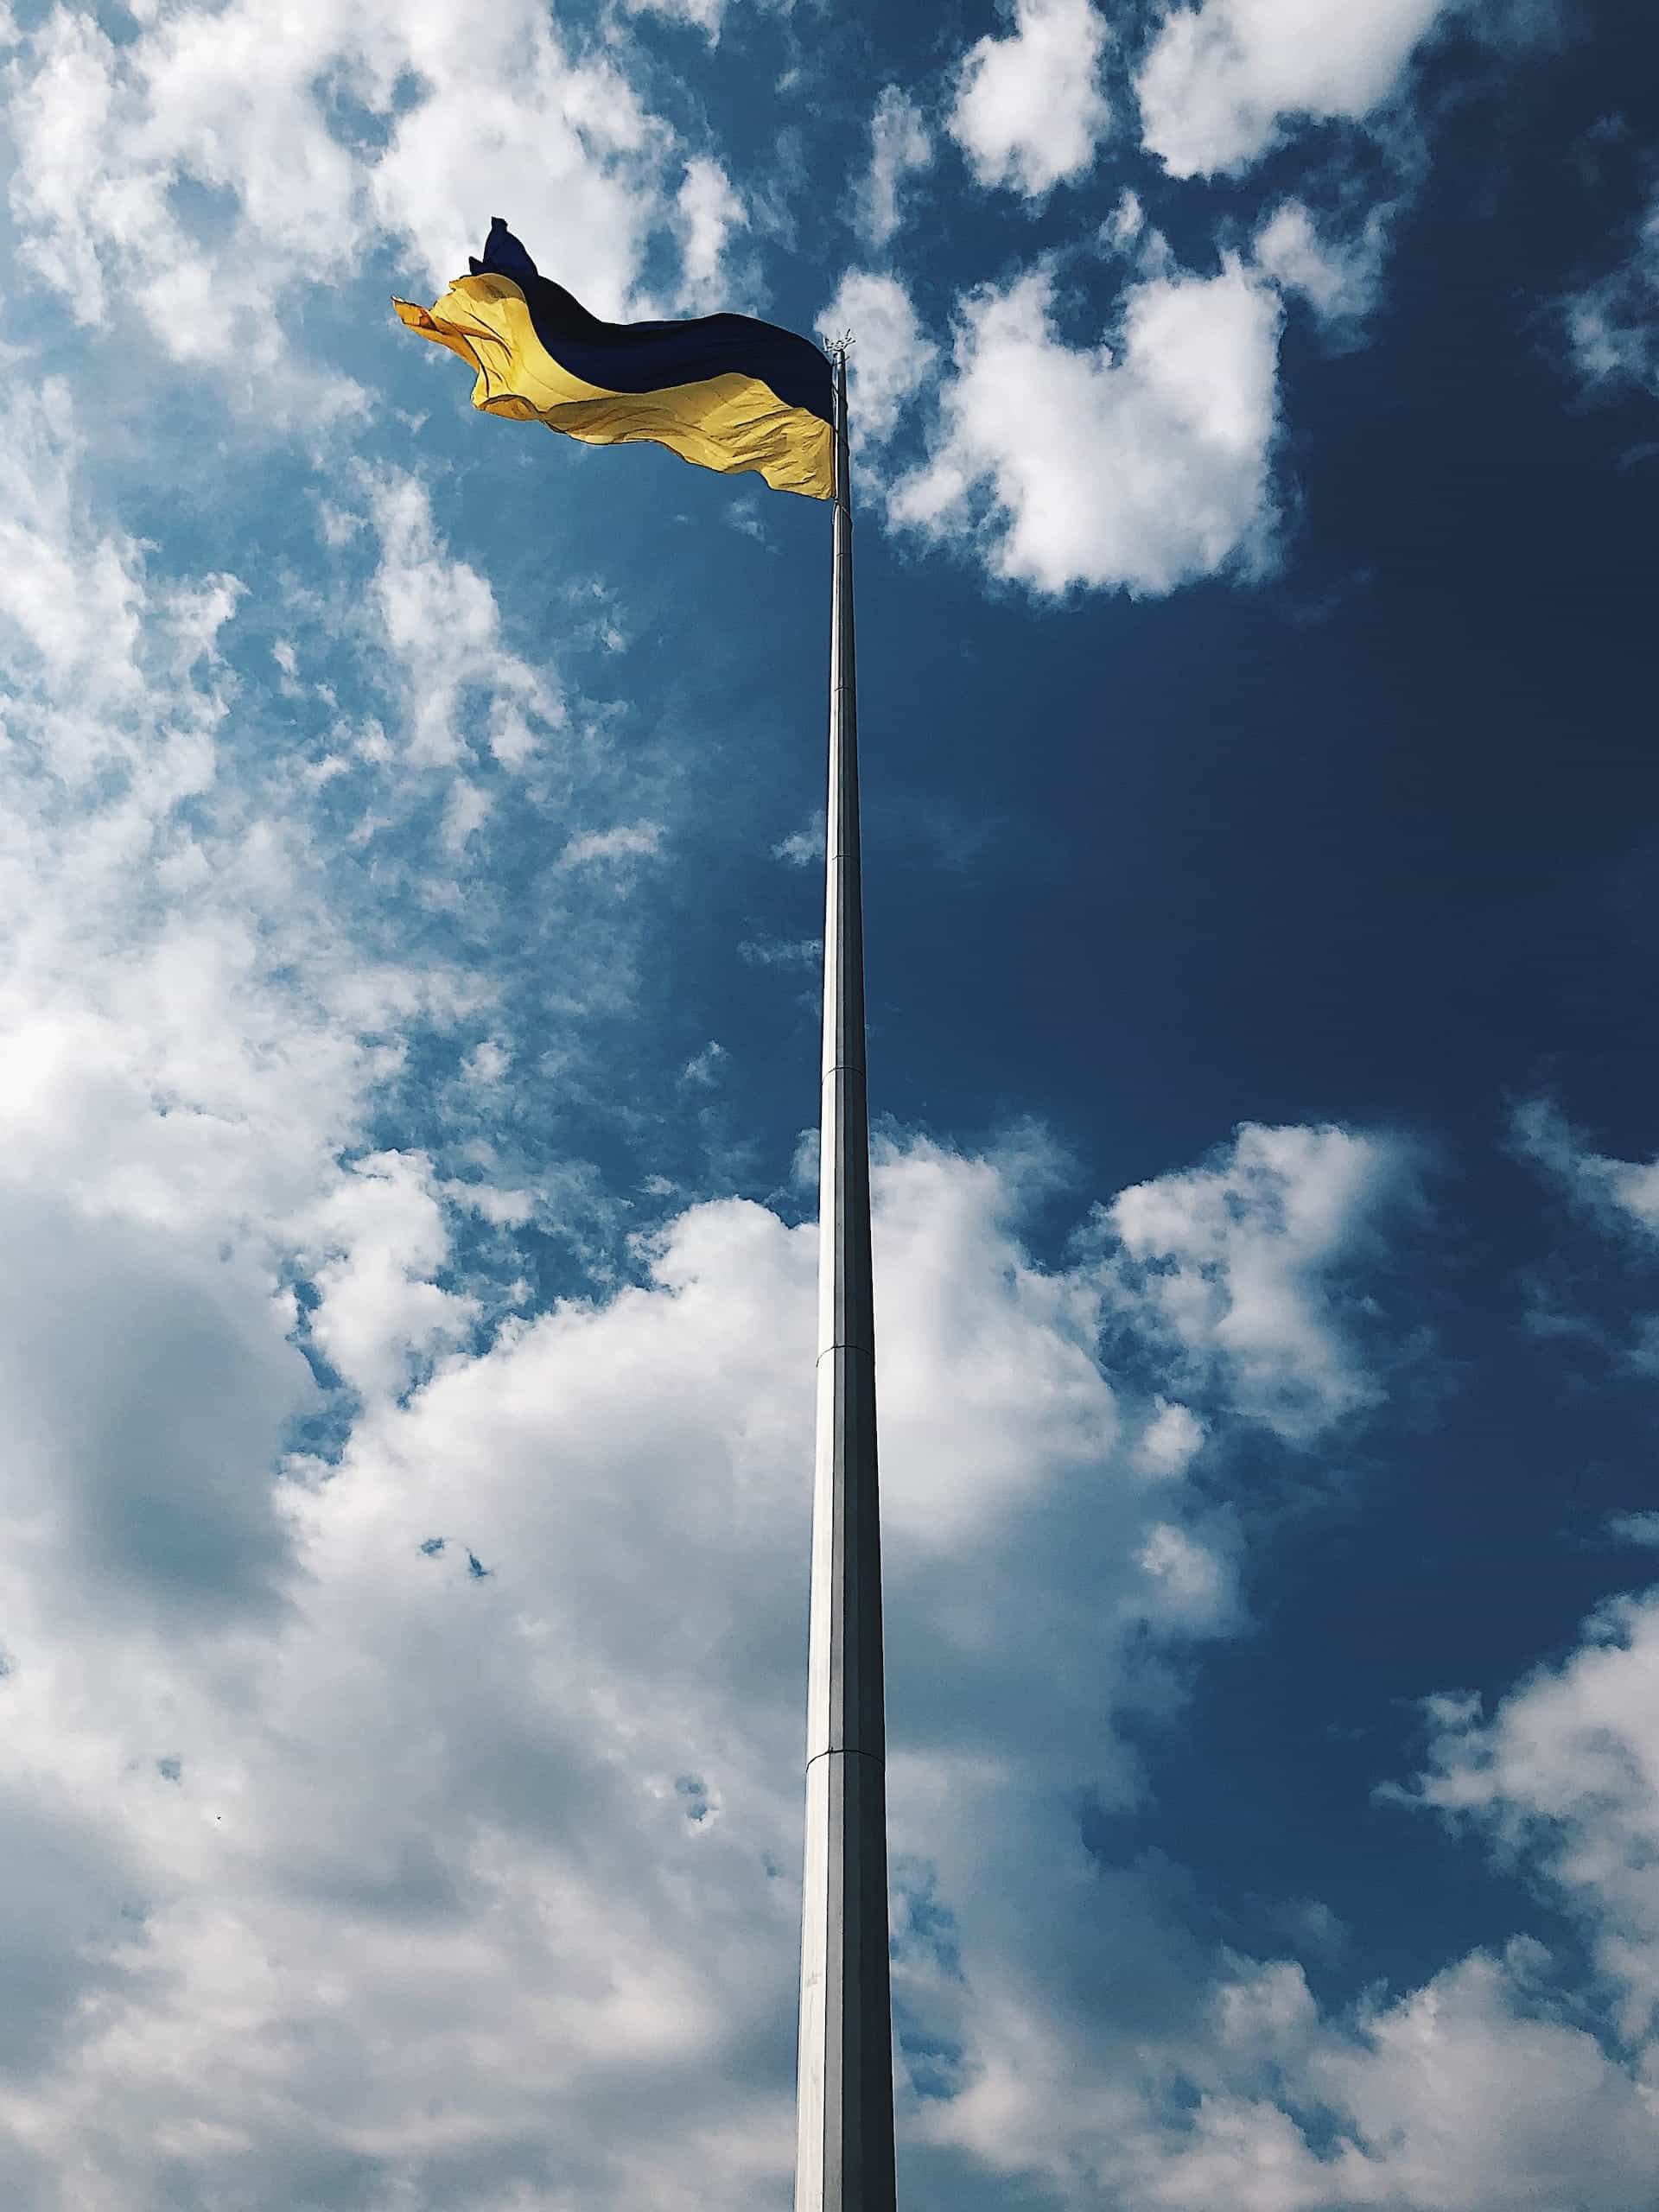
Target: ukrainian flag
725 392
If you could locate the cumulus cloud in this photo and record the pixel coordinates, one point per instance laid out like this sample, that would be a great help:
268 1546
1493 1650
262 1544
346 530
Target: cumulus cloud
891 357
1478 2092
1241 1264
899 146
1474 2093
1566 1770
374 1244
1029 111
1137 463
486 1805
202 170
1142 462
1223 82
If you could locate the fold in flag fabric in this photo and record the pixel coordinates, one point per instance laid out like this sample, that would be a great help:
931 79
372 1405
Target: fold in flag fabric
725 392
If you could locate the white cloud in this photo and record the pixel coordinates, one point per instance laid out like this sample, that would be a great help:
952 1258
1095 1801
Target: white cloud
891 357
1612 325
1138 463
1483 2089
629 841
166 1106
94 631
1241 1263
1029 111
452 1868
104 134
465 813
707 210
704 1070
1339 278
802 847
1127 223
440 622
1223 82
743 514
1478 2092
487 1062
202 1022
373 1244
204 170
203 987
899 146
1623 1194
1474 2093
1172 1438
515 124
1567 1769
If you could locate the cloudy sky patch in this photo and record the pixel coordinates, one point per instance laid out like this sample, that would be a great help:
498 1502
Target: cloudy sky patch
408 831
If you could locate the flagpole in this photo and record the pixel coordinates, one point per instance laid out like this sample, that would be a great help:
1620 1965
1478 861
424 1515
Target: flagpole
845 2155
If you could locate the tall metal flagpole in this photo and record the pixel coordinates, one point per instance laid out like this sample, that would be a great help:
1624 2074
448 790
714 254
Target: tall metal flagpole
845 2161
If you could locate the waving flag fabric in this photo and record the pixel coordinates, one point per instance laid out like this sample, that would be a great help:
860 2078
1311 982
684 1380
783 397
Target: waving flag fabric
725 392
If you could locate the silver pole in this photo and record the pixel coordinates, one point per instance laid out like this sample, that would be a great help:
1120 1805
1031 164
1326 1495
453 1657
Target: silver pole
844 2161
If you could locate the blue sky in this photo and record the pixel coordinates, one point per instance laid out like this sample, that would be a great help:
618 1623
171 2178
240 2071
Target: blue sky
409 828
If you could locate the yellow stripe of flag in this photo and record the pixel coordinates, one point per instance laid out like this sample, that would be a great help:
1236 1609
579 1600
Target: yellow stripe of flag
730 422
